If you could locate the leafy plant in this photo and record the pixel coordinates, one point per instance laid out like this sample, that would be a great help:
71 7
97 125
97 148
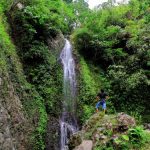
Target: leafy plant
136 136
87 112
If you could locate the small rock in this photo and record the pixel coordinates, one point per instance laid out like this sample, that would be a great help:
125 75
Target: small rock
20 6
148 131
97 136
108 125
147 126
101 129
1 138
75 140
114 137
8 143
85 145
0 81
103 137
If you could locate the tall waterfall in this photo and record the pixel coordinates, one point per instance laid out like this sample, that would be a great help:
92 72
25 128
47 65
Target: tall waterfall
68 121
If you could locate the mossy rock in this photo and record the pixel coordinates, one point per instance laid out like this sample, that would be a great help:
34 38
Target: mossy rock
75 140
101 128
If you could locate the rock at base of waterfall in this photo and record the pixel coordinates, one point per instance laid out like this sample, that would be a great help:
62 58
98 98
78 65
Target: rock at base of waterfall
85 145
101 129
75 140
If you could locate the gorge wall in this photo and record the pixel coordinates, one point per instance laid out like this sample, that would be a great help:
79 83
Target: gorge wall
25 109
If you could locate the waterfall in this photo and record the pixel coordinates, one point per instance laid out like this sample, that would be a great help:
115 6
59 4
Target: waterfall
68 124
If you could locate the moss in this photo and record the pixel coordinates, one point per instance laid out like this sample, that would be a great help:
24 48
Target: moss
33 105
90 79
33 66
88 88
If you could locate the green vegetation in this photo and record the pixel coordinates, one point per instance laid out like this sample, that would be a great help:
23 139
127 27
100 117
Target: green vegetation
34 28
136 138
32 102
90 81
107 133
111 44
40 90
116 39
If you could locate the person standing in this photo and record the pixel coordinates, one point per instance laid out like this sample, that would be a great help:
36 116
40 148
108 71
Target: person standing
101 97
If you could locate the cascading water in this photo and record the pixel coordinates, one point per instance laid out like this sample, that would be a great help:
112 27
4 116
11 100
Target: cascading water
68 122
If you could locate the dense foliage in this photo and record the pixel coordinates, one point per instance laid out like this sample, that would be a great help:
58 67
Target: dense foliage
11 68
36 28
116 38
111 45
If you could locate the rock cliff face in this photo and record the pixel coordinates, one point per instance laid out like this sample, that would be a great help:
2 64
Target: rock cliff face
21 106
16 126
53 134
53 126
30 80
13 123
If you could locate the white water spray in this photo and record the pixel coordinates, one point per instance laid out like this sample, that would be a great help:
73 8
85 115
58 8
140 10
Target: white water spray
68 122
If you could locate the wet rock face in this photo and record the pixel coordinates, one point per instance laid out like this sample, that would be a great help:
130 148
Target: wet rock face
12 120
56 43
6 140
53 134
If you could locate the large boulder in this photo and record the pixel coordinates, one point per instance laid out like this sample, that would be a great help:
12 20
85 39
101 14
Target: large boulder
124 119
